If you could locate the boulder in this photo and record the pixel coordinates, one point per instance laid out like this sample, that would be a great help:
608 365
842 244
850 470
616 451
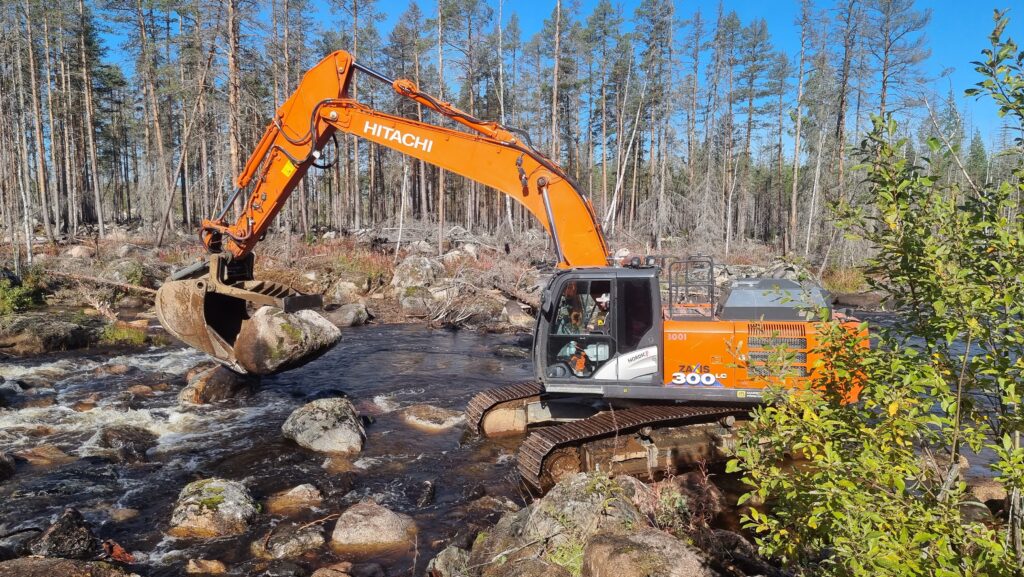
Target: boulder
367 570
343 292
7 467
422 247
212 508
131 271
326 425
573 510
288 541
415 302
45 456
450 562
369 525
337 570
471 250
205 567
644 553
128 444
43 567
514 315
988 491
215 383
432 419
35 333
69 537
350 315
416 271
283 568
80 251
294 500
273 340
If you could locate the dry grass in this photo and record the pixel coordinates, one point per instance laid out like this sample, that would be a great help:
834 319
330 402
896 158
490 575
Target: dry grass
844 280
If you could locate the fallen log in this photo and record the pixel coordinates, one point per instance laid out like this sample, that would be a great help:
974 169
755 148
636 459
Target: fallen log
103 281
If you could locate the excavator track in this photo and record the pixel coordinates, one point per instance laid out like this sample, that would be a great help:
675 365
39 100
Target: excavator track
485 401
555 444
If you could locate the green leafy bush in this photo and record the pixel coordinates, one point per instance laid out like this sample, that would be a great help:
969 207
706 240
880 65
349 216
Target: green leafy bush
15 298
873 487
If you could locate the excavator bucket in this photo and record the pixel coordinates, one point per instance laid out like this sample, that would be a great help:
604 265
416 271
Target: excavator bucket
205 305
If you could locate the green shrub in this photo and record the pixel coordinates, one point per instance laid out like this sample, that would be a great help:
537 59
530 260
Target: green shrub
122 334
15 298
872 488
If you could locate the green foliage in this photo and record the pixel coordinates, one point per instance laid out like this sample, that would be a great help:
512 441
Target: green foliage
847 489
568 555
122 334
15 298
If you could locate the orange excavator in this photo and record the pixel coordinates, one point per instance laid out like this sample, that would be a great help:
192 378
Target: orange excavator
640 366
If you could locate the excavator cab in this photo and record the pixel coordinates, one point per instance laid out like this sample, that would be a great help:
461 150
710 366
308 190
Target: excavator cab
599 325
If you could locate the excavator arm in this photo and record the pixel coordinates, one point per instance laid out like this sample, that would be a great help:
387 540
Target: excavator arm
494 156
206 305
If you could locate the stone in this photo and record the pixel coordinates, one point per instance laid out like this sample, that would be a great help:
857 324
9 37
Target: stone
283 568
416 271
288 541
415 302
126 250
43 567
868 300
349 315
127 443
272 340
7 466
337 570
212 508
294 500
121 515
80 251
422 247
432 419
369 525
647 552
216 383
45 456
35 333
514 315
69 537
450 562
141 390
205 567
988 491
471 250
573 510
326 426
131 271
343 292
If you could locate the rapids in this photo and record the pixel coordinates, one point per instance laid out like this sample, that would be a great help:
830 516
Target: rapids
383 369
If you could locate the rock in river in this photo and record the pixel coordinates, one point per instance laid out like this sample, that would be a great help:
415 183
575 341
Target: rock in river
432 419
273 340
294 500
326 425
42 567
127 443
212 508
6 467
216 383
288 541
370 525
70 537
36 333
205 567
349 315
648 552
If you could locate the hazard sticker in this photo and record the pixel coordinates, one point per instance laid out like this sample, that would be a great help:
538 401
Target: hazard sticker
288 169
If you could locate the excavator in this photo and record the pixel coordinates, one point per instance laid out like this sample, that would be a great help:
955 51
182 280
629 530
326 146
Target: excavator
641 366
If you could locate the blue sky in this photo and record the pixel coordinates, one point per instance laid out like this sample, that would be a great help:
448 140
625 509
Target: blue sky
956 34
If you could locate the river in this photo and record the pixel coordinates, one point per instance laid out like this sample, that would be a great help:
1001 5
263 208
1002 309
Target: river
381 368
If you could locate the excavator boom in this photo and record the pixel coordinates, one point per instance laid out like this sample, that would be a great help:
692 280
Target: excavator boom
206 304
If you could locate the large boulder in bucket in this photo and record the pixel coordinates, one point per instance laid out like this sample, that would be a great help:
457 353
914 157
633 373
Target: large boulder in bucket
272 340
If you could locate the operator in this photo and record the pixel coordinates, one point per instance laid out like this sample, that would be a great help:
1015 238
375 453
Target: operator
599 321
